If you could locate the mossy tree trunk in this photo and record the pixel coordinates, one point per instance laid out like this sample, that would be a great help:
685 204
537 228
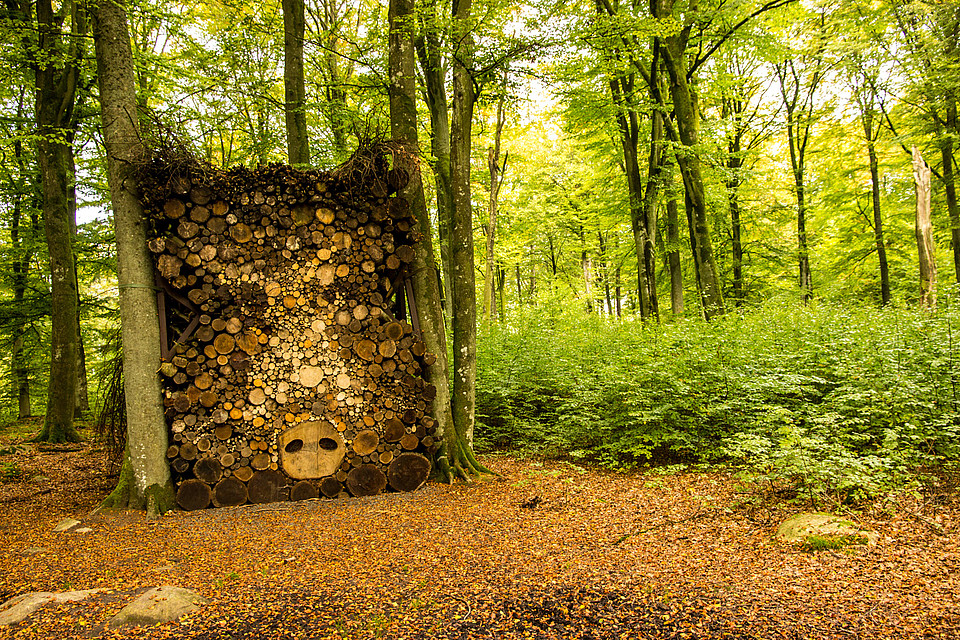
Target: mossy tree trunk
456 456
145 477
432 63
56 57
686 132
294 91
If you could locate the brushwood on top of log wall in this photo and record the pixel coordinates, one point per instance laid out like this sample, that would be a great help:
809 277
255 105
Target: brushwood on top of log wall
287 373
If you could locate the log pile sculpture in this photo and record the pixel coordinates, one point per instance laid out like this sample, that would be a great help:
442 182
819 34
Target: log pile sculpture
287 373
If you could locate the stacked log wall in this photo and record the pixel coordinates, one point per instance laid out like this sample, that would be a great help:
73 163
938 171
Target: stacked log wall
287 374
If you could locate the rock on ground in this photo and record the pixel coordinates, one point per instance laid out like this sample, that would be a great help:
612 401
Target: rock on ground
17 609
800 527
66 524
160 604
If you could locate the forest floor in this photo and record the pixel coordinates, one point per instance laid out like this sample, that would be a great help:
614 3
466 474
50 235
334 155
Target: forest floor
546 550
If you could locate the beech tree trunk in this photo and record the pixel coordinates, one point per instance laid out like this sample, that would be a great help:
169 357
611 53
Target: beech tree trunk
621 88
734 165
21 264
496 170
673 258
924 231
643 218
82 405
673 50
949 181
294 91
145 478
799 84
803 246
461 229
56 96
870 134
434 70
455 455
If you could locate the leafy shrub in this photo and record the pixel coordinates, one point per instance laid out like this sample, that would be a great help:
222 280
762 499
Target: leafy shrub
841 401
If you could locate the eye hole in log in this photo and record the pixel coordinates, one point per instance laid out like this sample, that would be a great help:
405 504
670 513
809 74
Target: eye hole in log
293 446
327 444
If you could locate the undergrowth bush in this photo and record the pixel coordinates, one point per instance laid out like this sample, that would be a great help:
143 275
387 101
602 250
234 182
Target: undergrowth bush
841 401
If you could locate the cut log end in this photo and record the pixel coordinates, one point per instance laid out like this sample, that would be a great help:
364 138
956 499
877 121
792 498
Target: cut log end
193 495
366 480
408 472
230 492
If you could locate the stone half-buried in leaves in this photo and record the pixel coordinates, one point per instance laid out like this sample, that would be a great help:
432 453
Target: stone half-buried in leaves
286 373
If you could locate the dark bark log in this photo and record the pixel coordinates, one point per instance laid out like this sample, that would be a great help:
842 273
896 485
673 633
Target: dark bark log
230 492
408 472
264 486
330 487
365 442
209 470
193 495
366 480
304 490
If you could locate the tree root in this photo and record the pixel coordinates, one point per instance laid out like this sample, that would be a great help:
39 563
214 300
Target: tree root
156 500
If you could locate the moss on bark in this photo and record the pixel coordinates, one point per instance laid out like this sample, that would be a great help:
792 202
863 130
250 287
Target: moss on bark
155 500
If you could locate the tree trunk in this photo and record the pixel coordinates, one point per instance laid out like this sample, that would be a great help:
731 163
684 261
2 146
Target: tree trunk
604 267
56 95
799 103
294 92
803 248
21 265
501 285
456 455
496 170
687 133
461 229
145 482
434 76
532 282
83 397
519 279
655 160
734 165
673 258
642 205
924 231
877 218
949 182
618 295
628 125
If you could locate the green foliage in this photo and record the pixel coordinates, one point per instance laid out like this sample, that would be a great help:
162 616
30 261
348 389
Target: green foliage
841 402
10 471
828 543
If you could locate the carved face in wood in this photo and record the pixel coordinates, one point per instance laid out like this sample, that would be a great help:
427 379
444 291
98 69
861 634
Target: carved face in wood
311 450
